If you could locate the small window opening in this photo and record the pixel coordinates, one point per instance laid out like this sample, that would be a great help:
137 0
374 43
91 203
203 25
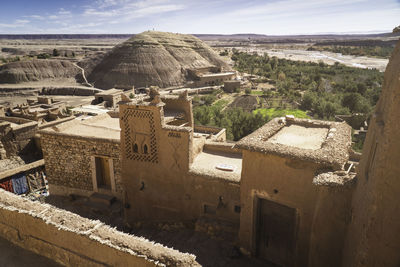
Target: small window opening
237 209
209 209
135 148
145 150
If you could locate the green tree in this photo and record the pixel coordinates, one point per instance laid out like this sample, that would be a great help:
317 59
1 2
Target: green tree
55 53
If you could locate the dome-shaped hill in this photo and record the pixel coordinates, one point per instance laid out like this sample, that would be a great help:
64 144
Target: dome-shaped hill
37 70
153 58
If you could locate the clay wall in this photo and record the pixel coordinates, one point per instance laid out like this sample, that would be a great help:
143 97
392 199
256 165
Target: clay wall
290 182
221 147
374 233
332 216
219 134
69 160
71 240
213 79
231 86
18 139
159 186
181 104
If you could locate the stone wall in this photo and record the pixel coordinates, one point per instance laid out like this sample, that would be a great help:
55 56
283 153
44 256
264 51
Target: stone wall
68 159
72 240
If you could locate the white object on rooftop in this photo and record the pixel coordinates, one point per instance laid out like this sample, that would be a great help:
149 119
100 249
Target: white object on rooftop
93 109
225 167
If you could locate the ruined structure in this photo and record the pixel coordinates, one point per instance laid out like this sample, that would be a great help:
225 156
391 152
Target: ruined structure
16 136
109 98
45 110
21 167
209 76
231 86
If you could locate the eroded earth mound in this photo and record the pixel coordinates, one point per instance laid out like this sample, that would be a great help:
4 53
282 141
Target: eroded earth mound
37 70
153 58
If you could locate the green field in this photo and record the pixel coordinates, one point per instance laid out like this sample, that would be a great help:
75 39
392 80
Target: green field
274 112
220 103
254 92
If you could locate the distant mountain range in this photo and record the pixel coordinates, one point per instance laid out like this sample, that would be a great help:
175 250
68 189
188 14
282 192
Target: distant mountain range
244 36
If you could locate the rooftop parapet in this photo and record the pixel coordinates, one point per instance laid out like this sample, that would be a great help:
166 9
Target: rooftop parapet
322 142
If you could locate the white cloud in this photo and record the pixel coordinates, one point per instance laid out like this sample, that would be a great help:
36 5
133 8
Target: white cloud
142 12
64 12
21 21
124 10
35 17
213 16
97 13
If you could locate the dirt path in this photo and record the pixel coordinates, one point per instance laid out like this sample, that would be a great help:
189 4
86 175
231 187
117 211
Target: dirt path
83 75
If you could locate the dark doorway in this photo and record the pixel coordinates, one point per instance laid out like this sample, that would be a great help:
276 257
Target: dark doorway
103 173
276 230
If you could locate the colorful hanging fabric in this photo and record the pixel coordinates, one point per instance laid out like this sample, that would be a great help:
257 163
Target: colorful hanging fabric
19 184
7 185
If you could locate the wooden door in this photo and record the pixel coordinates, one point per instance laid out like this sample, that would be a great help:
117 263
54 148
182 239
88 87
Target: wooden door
103 173
276 233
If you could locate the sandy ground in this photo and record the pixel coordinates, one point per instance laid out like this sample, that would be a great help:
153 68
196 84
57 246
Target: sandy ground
316 56
301 137
14 256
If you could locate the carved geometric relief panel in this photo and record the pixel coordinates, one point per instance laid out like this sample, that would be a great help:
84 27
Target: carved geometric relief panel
140 135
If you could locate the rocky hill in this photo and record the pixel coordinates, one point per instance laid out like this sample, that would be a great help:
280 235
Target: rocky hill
153 58
37 70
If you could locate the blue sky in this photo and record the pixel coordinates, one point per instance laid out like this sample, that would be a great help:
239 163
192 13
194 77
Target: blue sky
273 17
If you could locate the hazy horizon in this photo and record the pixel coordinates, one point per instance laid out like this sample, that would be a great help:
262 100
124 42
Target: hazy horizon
275 17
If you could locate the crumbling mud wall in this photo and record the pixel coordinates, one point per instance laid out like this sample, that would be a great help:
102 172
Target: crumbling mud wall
72 240
69 159
374 234
18 139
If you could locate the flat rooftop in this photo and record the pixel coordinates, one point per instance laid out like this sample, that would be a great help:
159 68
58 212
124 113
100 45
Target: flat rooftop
101 126
90 109
300 136
216 74
322 142
218 164
112 91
